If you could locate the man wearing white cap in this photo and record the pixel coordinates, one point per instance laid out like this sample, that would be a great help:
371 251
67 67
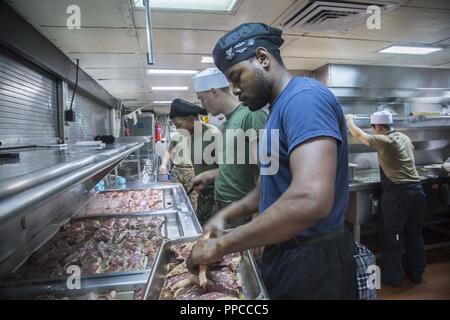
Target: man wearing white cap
402 200
233 180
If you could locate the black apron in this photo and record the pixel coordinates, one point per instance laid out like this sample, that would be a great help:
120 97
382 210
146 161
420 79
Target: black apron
314 268
400 230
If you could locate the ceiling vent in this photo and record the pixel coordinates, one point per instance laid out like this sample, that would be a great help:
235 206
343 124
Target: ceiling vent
330 16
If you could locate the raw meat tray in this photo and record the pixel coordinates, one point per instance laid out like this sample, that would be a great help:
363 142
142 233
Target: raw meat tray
97 205
252 285
169 229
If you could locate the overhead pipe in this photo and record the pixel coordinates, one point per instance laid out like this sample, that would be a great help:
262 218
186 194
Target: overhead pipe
148 25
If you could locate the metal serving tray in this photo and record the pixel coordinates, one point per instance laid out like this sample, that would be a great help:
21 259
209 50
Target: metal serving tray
168 202
175 198
252 285
188 218
124 286
170 229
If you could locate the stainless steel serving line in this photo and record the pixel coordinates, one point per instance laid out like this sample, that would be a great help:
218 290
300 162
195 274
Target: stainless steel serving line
44 188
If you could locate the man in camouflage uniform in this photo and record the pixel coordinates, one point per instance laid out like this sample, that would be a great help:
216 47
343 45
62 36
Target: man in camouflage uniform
205 204
184 174
184 115
182 169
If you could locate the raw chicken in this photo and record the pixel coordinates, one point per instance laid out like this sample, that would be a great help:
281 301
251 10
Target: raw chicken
180 284
130 201
97 246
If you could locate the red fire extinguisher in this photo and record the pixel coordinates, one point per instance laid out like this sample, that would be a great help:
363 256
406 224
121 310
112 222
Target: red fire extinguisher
158 132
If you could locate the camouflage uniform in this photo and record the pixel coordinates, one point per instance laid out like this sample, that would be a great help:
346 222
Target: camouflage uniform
205 205
184 175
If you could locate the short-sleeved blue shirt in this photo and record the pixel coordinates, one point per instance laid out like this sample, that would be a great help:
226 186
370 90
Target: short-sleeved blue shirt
304 110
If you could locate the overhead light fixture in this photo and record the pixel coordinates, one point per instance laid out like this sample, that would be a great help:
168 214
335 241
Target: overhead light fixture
207 60
190 5
162 102
170 88
432 89
421 50
171 72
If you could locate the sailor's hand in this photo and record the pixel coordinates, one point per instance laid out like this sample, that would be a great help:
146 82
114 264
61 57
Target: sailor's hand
200 182
205 251
162 169
350 118
215 225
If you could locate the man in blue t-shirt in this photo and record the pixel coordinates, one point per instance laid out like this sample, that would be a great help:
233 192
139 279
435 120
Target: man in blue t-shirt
303 191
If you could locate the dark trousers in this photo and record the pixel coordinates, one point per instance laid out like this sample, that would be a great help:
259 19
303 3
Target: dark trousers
325 270
400 233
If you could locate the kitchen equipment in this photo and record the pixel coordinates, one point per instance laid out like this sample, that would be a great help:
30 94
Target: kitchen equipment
434 170
351 171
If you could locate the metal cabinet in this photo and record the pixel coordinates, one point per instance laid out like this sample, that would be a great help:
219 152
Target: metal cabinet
363 207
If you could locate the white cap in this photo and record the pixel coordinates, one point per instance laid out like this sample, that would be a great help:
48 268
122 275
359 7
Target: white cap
381 117
209 79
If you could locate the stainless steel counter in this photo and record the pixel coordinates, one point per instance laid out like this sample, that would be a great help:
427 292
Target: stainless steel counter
365 192
370 180
32 160
44 188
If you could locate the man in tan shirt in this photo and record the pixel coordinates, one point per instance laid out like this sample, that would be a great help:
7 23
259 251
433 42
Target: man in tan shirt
402 200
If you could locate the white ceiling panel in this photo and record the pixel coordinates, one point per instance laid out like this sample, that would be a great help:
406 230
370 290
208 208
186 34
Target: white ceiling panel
437 4
188 60
161 96
179 61
288 40
404 24
112 44
409 25
445 42
122 82
312 63
334 48
169 81
96 40
113 73
118 90
265 11
180 41
432 59
105 60
94 13
151 82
